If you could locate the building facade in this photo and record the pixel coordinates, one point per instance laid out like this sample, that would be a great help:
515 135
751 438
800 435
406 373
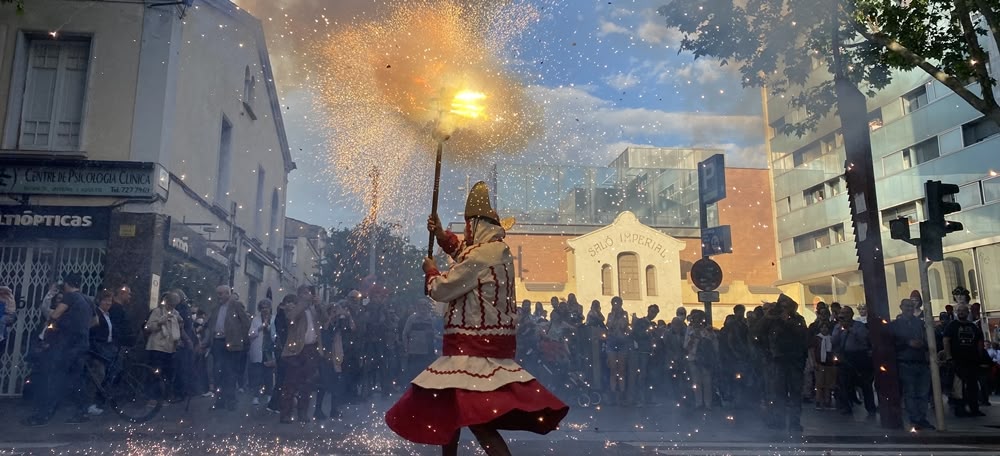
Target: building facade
304 258
631 230
143 146
920 131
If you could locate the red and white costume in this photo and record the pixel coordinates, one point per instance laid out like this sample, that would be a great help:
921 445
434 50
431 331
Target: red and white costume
476 381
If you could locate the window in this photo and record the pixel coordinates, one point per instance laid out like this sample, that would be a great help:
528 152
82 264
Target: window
55 85
259 206
914 100
978 130
892 163
650 280
837 231
875 119
784 205
920 153
607 288
991 190
628 277
836 186
776 127
812 241
225 163
910 157
828 143
908 210
807 154
249 81
272 234
969 196
815 194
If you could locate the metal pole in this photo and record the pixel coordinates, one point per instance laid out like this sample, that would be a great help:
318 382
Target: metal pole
925 292
437 191
703 222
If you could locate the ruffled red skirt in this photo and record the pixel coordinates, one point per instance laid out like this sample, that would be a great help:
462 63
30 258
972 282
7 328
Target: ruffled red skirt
432 417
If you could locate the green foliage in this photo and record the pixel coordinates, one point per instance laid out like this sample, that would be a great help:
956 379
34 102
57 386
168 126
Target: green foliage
397 265
19 4
779 44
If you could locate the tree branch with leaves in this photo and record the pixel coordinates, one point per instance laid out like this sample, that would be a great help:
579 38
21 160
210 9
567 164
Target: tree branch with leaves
779 44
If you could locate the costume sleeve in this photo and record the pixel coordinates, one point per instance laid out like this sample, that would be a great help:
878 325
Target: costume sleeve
459 280
451 245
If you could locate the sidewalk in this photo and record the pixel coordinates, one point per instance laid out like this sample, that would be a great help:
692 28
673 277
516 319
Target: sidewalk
596 424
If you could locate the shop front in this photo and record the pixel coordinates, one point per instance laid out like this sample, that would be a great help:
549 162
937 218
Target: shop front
193 263
38 246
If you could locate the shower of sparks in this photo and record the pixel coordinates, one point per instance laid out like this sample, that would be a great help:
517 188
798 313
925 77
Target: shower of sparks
431 69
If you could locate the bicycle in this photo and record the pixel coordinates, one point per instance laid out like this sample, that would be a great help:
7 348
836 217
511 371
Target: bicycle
135 392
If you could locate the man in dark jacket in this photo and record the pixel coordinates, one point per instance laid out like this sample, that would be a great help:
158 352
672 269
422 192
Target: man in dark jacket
911 357
68 341
963 346
786 335
854 350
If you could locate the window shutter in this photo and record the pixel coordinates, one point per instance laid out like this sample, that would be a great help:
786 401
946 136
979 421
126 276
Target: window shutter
69 115
39 96
52 111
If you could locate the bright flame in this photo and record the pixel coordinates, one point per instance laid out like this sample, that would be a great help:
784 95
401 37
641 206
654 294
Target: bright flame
467 104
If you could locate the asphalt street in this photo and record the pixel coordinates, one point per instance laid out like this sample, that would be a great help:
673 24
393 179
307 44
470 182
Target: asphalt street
195 430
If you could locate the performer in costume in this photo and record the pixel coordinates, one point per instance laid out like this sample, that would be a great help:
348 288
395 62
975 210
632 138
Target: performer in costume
476 383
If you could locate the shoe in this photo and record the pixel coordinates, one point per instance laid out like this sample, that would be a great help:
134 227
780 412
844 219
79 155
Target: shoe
818 407
285 421
924 426
319 416
34 421
77 419
961 413
976 413
208 394
94 410
985 404
272 410
255 401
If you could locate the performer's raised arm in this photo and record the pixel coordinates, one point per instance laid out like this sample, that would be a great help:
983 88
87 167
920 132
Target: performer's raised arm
446 239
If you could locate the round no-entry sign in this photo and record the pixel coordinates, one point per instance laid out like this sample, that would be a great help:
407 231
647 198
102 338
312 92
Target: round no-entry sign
706 274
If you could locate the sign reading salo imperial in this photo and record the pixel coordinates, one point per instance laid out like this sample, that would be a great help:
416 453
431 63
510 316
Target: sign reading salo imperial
41 222
86 178
627 239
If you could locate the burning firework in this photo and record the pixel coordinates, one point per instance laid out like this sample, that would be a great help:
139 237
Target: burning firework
391 83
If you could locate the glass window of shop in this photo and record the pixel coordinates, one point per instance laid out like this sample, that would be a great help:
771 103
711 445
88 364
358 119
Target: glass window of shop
989 263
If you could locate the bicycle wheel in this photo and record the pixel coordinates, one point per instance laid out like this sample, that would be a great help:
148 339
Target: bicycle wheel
138 393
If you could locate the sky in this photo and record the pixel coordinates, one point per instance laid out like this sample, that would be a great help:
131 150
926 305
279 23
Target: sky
606 74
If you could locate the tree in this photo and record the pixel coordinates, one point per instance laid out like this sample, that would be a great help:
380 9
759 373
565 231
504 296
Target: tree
397 262
19 4
777 44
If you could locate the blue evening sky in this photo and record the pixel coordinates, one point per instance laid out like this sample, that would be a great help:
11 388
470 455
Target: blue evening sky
608 74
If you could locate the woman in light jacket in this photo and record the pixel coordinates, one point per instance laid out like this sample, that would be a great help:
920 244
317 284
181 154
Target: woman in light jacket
261 356
163 332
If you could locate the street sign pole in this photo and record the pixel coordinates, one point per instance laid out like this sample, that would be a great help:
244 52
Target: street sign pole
925 292
711 189
703 213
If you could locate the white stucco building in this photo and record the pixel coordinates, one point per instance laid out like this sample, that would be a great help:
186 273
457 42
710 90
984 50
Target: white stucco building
161 126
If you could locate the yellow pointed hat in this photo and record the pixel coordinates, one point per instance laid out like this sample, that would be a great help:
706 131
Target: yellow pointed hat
478 204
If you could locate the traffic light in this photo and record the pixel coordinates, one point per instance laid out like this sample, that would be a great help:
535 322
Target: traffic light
899 229
940 202
930 244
